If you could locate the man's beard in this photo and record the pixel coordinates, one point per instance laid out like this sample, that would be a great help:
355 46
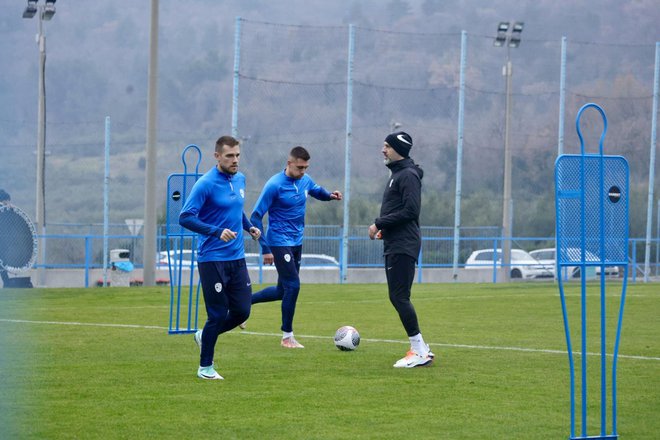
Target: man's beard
228 171
387 160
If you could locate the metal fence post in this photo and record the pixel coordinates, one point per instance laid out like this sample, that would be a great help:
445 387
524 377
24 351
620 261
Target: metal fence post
106 180
347 155
562 98
459 155
654 118
237 65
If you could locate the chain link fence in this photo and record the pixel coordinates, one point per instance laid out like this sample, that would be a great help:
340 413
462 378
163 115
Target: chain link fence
293 89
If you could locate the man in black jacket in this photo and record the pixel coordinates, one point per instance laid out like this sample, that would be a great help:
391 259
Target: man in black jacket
398 227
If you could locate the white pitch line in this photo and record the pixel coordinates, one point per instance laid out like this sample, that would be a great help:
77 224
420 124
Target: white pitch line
88 324
481 297
389 341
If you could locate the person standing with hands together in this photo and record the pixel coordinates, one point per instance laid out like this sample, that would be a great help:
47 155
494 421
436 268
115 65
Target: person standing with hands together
398 227
214 209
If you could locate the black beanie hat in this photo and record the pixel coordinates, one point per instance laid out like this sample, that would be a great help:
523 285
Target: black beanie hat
401 142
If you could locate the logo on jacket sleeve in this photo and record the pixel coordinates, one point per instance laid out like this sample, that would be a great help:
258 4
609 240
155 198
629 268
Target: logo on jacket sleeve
242 191
218 287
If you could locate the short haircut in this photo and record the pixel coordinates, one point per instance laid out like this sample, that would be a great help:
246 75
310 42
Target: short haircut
299 153
225 140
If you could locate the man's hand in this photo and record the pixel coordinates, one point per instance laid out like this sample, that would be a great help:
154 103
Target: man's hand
336 195
228 235
255 233
374 232
268 259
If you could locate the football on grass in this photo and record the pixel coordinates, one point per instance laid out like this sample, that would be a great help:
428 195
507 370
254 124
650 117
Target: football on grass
347 338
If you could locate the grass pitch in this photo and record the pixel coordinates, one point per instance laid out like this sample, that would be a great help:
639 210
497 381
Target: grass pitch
98 364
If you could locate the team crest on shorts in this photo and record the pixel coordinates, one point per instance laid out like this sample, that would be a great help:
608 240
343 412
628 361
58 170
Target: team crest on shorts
287 258
218 287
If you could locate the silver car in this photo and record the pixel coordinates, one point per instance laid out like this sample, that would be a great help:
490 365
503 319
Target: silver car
546 257
522 264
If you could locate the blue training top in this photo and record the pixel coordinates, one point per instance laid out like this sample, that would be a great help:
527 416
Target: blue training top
285 198
216 203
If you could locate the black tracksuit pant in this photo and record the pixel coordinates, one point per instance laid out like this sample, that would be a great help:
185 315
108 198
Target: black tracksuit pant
400 272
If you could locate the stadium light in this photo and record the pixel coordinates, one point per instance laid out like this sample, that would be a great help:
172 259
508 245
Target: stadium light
46 12
49 9
502 30
30 9
507 35
514 40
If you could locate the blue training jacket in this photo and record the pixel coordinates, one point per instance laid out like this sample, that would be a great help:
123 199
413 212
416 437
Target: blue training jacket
216 203
285 198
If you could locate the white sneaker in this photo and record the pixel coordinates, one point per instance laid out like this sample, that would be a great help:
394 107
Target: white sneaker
243 325
412 360
431 355
208 373
198 338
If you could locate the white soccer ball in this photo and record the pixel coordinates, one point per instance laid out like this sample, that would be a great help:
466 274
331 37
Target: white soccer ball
347 338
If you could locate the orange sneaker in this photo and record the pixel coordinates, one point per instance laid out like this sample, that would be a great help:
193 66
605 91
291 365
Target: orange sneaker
291 343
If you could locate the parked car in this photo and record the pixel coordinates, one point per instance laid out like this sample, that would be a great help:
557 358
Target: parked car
522 264
179 256
185 258
307 261
252 261
546 257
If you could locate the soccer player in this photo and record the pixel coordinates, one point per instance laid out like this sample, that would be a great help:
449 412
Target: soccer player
214 209
284 198
398 227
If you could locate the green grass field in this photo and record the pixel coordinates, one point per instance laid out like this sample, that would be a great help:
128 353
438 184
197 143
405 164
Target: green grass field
99 364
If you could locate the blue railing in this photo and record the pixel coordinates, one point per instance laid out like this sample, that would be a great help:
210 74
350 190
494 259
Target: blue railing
85 251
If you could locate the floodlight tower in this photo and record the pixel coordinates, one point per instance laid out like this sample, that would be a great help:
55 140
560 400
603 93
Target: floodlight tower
508 36
45 12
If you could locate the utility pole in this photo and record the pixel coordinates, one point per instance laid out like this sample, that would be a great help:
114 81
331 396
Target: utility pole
149 251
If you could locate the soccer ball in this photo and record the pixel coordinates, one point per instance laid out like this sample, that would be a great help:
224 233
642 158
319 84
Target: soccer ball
347 338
